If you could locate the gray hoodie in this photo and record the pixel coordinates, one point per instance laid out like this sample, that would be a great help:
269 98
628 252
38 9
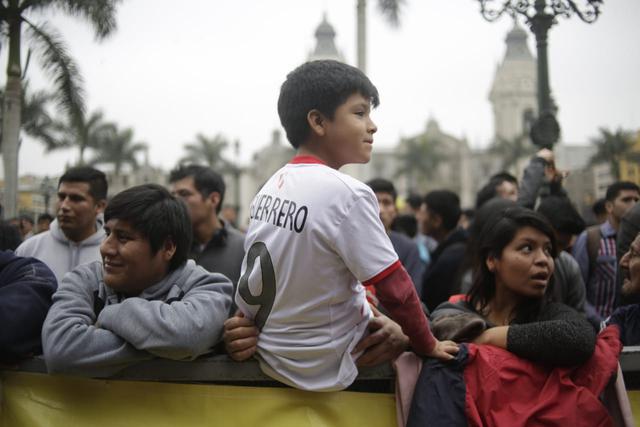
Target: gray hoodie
181 317
59 253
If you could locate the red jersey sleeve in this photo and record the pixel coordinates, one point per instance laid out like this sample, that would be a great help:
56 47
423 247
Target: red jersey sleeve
396 293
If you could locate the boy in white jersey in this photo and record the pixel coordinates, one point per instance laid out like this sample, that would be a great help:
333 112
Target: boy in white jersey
315 237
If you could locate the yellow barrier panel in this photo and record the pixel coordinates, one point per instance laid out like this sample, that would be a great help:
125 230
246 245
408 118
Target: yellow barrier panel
634 400
37 400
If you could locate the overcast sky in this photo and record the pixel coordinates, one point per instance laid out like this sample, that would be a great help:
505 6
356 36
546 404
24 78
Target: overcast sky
174 69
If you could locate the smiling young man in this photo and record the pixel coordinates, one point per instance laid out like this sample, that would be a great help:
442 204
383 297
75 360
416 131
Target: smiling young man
74 237
144 299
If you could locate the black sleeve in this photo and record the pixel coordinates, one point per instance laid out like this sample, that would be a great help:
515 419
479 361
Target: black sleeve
25 297
560 336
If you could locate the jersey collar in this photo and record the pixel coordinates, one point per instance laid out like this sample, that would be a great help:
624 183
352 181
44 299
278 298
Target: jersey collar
306 160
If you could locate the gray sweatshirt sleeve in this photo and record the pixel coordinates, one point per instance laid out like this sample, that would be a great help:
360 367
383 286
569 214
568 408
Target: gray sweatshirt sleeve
71 341
180 330
531 182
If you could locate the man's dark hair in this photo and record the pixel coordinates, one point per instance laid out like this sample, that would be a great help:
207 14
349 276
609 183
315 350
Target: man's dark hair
489 191
562 215
319 85
446 204
380 185
205 180
614 189
10 237
26 217
414 200
599 208
96 179
406 224
153 212
45 216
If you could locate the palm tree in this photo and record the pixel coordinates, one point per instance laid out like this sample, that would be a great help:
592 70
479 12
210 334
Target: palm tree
36 120
611 147
208 151
419 159
390 9
86 132
118 149
511 150
48 44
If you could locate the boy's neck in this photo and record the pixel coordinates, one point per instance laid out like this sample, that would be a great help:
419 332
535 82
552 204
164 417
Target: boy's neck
315 150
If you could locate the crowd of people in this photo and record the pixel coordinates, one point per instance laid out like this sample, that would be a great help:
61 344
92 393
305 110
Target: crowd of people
330 275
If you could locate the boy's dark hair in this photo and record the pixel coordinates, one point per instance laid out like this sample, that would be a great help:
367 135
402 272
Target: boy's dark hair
152 211
96 179
614 189
489 191
205 180
319 85
562 215
446 204
380 185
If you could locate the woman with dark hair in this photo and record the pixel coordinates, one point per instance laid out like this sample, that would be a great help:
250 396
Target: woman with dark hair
512 272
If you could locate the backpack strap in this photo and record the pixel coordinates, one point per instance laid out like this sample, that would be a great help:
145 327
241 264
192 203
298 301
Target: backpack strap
593 244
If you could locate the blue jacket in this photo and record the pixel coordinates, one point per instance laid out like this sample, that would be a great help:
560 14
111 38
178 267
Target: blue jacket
26 287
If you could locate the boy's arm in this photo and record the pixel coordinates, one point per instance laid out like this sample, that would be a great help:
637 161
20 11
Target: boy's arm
70 340
396 293
183 329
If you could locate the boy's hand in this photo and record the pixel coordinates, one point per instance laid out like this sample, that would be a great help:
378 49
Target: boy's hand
444 350
240 337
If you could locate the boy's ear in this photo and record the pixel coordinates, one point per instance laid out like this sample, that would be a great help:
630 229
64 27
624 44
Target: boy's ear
317 122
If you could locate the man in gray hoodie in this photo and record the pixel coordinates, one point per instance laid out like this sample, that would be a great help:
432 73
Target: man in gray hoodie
144 299
74 237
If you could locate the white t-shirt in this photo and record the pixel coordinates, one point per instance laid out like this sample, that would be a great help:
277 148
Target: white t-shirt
315 235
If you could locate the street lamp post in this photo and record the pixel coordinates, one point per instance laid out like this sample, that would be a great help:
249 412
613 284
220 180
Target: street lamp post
540 15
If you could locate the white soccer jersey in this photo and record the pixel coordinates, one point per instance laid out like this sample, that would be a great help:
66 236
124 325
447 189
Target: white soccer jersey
315 235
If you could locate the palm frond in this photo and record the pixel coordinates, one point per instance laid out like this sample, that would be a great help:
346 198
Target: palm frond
66 77
390 9
101 14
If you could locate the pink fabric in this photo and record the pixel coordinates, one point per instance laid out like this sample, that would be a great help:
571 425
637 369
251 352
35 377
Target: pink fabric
407 367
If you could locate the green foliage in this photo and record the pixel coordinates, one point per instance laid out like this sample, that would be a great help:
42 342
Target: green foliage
419 158
208 151
611 147
117 148
511 150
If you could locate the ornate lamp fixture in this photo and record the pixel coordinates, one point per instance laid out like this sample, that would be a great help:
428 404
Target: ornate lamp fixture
540 15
